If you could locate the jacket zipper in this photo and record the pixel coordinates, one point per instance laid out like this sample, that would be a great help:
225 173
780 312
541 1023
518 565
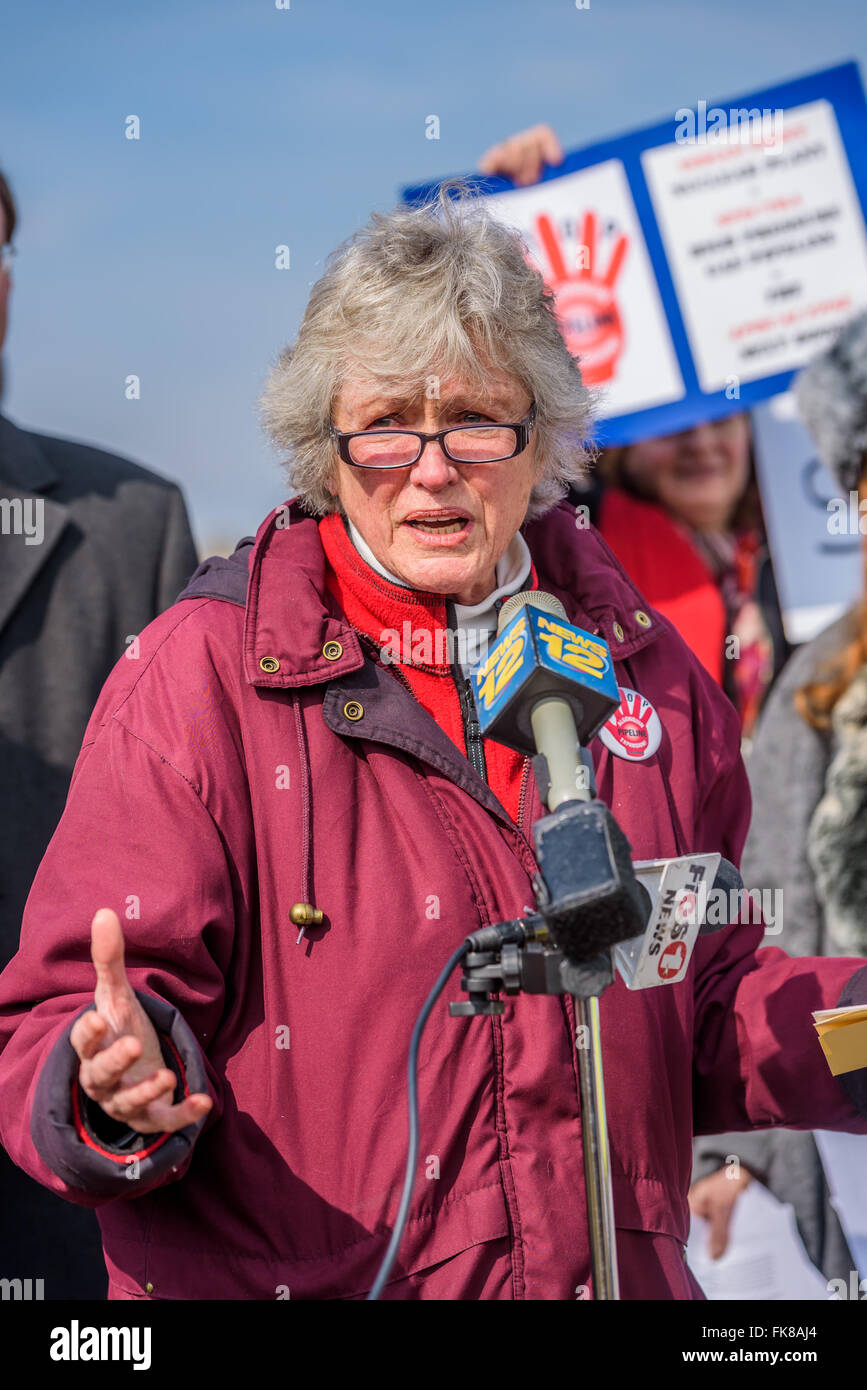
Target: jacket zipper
472 728
525 778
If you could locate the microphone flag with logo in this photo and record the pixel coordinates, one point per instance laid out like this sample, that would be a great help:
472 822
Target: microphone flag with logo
538 654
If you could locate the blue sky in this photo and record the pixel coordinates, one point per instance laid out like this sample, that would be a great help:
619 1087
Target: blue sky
262 127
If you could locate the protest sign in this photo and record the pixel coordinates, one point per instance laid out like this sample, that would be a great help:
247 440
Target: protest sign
814 534
697 264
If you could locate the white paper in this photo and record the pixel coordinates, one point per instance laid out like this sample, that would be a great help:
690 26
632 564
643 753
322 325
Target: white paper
844 1159
765 1259
766 244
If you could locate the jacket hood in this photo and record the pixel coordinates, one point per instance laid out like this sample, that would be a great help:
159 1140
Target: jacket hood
222 576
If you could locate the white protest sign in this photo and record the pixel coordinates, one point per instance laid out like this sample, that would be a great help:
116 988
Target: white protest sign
766 243
816 567
585 236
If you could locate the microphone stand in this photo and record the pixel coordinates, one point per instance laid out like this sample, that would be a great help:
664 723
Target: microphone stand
553 727
520 956
597 1155
516 957
588 898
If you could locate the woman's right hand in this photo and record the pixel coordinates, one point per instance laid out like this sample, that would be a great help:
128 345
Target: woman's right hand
522 157
122 1067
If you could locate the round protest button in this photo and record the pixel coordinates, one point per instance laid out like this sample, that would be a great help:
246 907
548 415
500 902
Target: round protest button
633 731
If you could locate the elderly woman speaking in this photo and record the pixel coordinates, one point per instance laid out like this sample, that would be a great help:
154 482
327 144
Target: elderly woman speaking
283 821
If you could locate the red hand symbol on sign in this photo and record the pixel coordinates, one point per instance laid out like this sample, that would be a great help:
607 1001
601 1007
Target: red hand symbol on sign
586 302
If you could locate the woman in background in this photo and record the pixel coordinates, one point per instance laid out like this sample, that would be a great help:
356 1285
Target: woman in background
716 584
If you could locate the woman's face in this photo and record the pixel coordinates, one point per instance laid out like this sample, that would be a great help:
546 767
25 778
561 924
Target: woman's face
699 475
491 497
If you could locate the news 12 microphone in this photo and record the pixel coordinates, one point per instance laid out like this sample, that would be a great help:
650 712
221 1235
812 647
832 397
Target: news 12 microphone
545 688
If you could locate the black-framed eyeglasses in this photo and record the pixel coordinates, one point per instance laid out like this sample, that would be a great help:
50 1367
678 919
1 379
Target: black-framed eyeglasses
460 443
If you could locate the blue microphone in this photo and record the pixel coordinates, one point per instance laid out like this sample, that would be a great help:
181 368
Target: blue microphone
546 686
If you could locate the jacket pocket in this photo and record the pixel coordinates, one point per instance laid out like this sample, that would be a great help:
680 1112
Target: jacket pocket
454 1226
460 1224
647 1204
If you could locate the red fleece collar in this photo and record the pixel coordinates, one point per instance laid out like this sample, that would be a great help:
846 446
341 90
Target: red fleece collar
375 606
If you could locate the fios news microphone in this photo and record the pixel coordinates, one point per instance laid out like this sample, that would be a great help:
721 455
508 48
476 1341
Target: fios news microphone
545 688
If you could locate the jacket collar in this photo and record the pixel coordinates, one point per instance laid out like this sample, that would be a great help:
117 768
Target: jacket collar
293 625
22 462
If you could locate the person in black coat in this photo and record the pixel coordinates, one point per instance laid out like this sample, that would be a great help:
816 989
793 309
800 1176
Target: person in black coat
92 549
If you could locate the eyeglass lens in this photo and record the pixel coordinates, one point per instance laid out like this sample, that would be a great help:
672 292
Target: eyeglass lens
391 449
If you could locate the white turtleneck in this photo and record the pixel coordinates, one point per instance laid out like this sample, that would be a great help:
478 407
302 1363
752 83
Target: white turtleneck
477 621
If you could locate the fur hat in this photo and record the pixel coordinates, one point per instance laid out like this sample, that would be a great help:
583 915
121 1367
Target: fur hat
837 834
832 399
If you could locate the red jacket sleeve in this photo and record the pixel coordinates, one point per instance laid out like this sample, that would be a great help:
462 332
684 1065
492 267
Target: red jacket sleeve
136 837
757 1059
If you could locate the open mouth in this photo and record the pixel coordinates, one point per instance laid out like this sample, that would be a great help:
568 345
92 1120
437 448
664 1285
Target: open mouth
445 526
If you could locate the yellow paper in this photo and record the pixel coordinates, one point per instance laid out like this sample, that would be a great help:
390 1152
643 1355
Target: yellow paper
843 1035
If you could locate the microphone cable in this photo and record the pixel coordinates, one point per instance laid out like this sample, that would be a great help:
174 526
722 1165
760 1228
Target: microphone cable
412 1097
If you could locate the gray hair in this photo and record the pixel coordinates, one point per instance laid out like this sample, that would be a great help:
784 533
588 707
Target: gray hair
440 288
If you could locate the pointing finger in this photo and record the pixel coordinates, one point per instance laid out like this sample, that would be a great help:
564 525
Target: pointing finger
106 951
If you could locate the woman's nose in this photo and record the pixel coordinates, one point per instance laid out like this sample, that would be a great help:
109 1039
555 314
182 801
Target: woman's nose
433 468
700 437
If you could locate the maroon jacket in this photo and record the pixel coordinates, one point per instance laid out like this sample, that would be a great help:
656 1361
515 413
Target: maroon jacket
211 795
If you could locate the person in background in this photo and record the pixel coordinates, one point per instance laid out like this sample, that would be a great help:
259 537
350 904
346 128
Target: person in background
92 549
682 514
718 586
808 837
